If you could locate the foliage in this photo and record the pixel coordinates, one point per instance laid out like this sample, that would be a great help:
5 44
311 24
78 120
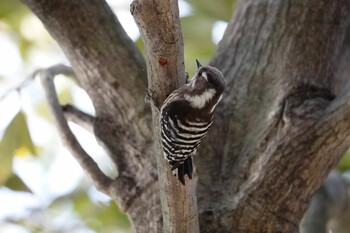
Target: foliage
344 163
16 140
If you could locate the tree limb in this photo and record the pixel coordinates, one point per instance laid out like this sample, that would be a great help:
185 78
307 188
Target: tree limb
93 43
160 28
99 179
112 71
20 86
81 118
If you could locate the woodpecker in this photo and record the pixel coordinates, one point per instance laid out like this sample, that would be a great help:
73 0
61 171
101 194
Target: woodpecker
186 116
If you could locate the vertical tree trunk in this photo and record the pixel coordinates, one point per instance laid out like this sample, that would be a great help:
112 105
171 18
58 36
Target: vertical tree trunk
165 66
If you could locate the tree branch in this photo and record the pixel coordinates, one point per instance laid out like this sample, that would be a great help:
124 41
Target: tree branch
81 118
159 24
109 67
100 180
107 63
17 88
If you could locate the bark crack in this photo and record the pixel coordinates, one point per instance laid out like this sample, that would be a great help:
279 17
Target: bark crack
306 102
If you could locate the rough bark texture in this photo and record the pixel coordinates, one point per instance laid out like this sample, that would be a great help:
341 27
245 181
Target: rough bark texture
329 208
165 66
280 127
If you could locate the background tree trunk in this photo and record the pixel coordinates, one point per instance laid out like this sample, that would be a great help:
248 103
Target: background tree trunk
278 121
277 133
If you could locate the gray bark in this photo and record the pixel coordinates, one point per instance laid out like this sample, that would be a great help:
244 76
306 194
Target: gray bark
329 208
277 133
165 66
281 129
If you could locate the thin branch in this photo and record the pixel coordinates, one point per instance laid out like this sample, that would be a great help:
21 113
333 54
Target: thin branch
109 55
100 180
81 118
66 70
56 70
17 88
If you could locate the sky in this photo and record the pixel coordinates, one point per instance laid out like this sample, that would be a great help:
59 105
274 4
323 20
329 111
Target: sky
47 183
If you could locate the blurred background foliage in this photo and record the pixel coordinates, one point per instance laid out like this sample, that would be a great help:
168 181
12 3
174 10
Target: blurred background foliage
42 189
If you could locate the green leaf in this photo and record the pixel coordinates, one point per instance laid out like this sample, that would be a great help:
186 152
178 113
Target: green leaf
103 218
100 217
24 46
198 41
220 9
6 156
16 141
111 215
21 135
344 163
42 109
140 45
12 12
15 183
65 96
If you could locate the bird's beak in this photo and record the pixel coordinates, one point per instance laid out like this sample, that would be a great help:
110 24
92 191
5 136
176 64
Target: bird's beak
198 64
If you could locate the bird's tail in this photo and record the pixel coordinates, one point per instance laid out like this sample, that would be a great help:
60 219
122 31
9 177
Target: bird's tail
183 168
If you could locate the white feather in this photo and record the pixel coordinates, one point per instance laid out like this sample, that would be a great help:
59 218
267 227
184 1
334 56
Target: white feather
212 109
199 101
194 129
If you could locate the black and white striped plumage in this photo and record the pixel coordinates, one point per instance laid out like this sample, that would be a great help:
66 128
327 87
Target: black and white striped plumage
186 116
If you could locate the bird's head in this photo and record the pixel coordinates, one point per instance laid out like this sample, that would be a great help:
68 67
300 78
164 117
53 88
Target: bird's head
206 88
208 77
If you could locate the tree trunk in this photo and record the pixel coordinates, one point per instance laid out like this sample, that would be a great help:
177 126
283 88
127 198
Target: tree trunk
278 131
281 128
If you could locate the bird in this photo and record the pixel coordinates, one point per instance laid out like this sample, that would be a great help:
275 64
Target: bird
186 116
